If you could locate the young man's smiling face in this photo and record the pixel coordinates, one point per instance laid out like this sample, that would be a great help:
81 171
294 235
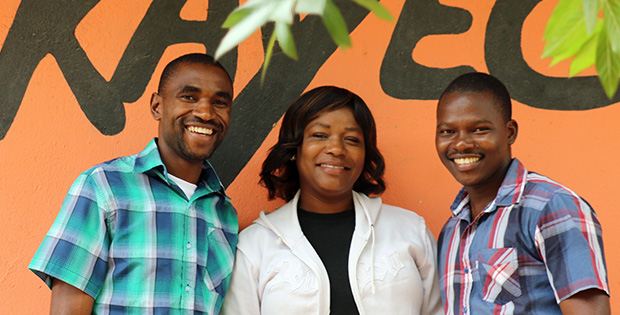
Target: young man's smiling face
473 139
193 111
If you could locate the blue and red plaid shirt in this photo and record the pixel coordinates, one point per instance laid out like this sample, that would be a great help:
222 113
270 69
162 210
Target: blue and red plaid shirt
535 245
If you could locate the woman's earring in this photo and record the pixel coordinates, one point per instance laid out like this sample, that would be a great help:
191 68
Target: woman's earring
293 158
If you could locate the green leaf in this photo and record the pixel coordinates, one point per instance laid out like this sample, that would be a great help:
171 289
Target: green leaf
283 11
591 9
565 44
236 16
268 53
244 28
253 4
336 26
310 6
285 38
607 65
557 21
377 8
586 56
611 15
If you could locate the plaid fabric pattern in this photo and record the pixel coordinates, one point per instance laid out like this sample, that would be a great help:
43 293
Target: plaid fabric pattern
535 245
129 237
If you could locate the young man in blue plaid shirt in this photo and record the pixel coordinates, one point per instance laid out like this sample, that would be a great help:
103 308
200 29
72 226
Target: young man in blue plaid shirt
151 233
517 242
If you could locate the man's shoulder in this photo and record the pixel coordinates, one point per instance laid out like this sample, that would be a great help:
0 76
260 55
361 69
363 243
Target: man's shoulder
123 164
544 195
139 162
544 187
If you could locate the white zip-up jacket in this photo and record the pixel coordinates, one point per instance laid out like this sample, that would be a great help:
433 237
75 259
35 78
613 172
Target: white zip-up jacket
392 265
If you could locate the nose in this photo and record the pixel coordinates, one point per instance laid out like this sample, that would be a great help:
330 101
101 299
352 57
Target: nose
204 110
463 142
335 147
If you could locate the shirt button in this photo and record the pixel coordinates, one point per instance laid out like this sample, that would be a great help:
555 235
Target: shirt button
187 288
189 246
464 309
466 270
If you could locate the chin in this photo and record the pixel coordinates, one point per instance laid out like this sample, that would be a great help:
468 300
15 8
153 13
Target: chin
465 181
198 156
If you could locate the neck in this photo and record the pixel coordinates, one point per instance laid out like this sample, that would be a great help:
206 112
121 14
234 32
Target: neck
481 195
325 205
188 171
478 202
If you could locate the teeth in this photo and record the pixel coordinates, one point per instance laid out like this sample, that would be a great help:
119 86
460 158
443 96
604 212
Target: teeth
200 130
469 160
332 166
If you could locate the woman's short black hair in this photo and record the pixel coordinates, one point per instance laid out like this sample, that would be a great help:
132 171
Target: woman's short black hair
279 173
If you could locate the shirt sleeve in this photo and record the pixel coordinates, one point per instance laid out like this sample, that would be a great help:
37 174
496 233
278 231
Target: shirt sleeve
569 238
75 250
428 272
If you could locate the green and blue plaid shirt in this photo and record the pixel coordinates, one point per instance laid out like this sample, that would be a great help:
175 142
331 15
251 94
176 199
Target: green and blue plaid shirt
128 236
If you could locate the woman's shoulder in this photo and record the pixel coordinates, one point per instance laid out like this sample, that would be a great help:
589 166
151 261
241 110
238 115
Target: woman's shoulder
256 229
267 226
396 222
402 215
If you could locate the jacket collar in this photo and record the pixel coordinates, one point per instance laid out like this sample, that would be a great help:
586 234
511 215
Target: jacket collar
285 223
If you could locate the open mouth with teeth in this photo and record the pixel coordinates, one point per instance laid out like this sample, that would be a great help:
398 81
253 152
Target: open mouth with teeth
334 166
465 161
200 130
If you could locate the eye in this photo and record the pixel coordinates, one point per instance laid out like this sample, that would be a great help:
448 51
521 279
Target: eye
318 135
187 97
445 132
353 140
481 129
220 103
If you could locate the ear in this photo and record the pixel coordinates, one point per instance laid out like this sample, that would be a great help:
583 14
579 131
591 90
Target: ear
513 130
156 101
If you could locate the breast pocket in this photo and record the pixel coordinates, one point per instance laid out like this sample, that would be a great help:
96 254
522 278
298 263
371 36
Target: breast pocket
499 274
220 257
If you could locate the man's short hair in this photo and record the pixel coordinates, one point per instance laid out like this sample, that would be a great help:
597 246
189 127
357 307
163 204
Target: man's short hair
482 82
279 173
194 58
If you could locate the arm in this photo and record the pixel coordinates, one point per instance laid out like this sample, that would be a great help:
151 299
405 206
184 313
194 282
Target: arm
428 272
242 296
75 256
67 299
573 253
591 301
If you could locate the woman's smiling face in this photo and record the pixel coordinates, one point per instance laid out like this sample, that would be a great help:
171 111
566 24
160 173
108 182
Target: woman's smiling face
331 156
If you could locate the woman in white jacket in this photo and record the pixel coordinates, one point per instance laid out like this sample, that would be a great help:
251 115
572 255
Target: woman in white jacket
332 249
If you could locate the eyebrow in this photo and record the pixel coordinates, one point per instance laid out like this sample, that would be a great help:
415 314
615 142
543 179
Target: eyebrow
224 95
481 121
190 88
193 89
329 126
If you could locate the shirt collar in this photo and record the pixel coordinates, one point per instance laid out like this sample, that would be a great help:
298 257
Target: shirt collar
149 161
509 193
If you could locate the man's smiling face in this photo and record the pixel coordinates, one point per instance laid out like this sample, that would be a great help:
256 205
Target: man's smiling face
193 111
473 139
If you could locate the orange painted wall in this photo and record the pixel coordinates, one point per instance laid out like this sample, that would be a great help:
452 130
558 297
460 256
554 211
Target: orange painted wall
50 141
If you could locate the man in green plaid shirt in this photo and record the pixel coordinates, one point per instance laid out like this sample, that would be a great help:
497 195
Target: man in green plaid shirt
152 233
